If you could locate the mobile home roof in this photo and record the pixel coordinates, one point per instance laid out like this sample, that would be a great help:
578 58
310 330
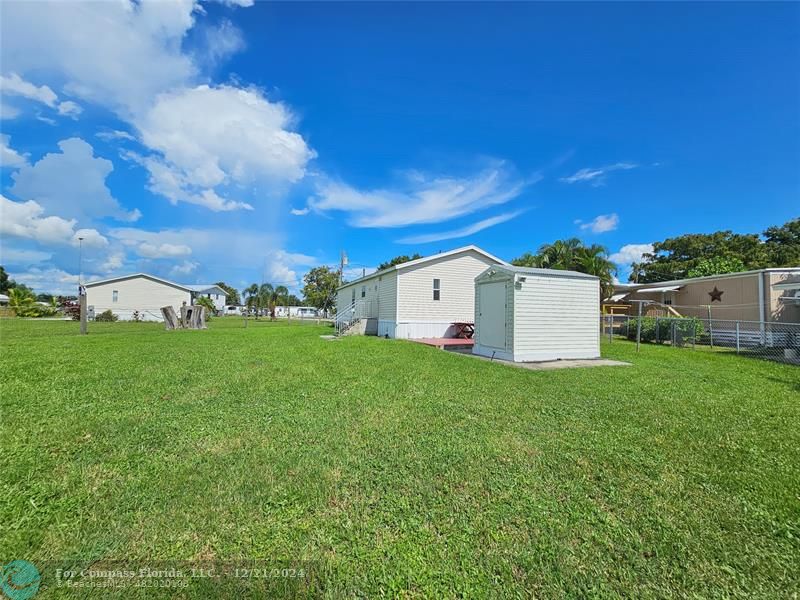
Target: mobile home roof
419 261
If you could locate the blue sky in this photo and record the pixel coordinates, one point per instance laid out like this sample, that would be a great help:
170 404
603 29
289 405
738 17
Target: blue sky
221 141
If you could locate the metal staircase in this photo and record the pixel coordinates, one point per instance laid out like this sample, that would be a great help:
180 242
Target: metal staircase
349 320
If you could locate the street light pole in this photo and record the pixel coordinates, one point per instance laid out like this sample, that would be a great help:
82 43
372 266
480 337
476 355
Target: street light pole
80 261
81 291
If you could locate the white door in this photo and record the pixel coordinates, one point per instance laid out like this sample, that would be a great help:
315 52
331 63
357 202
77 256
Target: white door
492 317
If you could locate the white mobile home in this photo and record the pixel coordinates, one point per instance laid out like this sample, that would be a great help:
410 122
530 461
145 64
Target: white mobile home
143 295
419 298
213 292
524 314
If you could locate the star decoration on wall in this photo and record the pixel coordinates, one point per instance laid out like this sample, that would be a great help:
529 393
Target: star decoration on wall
716 294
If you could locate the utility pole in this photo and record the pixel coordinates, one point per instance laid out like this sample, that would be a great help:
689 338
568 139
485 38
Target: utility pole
342 262
81 290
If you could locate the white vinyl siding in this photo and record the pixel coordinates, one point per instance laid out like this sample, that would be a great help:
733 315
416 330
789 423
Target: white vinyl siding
387 297
549 316
365 291
135 294
457 281
557 317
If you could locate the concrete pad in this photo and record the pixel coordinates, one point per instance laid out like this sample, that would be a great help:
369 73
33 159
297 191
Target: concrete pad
550 364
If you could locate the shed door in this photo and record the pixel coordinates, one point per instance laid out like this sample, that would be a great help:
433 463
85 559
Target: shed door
492 318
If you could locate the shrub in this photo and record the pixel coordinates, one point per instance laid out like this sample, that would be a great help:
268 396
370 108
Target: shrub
659 330
106 316
208 304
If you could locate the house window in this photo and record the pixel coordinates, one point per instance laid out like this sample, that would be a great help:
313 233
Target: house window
437 286
363 291
114 296
354 294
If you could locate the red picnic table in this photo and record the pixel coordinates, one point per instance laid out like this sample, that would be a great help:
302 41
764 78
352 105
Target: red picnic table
464 330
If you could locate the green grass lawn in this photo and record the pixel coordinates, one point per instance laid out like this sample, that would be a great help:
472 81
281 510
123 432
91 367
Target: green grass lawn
389 468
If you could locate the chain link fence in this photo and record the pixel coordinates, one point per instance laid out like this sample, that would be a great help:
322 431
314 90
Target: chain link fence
761 339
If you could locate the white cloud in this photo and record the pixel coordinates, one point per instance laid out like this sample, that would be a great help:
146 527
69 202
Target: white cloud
71 183
113 262
205 139
115 134
91 238
8 112
25 220
144 36
14 85
243 3
220 42
243 252
596 176
51 280
43 119
299 212
600 224
185 268
246 140
459 233
14 256
422 199
8 156
163 250
631 253
69 108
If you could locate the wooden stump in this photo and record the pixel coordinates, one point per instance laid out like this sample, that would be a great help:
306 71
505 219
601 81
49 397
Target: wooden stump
170 318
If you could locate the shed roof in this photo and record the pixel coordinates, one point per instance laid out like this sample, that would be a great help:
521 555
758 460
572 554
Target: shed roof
548 272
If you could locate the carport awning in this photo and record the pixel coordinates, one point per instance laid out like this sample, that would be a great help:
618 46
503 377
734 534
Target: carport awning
659 290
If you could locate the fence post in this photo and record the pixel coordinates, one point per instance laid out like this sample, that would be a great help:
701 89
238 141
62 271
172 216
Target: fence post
710 327
658 337
737 337
639 327
610 328
673 332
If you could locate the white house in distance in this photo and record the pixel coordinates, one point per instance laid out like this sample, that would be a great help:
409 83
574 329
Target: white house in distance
144 294
215 293
420 298
524 314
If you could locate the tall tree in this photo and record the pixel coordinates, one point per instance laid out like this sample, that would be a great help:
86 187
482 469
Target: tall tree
398 260
320 287
250 295
783 244
675 257
716 265
4 283
231 295
572 255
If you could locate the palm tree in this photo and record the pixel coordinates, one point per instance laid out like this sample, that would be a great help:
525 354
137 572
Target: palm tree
266 295
593 260
561 254
21 302
251 296
282 297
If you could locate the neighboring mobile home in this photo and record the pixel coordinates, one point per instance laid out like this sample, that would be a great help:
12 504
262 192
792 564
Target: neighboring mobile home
524 314
143 295
769 295
416 299
213 292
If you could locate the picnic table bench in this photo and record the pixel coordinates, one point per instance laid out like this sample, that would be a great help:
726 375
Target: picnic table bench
464 330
